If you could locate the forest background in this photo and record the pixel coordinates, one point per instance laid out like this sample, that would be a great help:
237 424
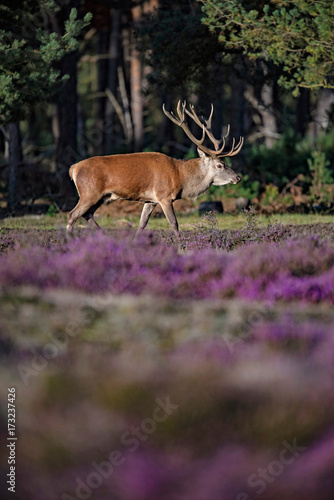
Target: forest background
84 78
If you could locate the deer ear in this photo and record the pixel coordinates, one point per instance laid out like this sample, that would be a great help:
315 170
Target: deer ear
200 153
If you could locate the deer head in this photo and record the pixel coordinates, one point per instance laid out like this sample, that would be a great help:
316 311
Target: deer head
212 159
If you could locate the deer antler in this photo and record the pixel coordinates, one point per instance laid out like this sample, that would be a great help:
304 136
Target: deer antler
180 121
218 151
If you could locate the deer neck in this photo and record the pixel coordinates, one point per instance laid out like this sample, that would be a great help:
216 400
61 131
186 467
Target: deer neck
195 176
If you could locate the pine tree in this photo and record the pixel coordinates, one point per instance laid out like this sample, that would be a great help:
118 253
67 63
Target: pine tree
29 52
298 35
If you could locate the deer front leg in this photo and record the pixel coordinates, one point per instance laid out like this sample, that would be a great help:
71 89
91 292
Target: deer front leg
168 210
145 215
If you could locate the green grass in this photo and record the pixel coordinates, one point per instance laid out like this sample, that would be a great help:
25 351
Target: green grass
34 222
225 221
231 221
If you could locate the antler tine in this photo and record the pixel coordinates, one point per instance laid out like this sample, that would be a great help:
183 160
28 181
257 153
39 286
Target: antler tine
206 126
227 132
170 115
223 140
181 112
194 116
208 121
181 122
238 147
215 142
219 151
235 150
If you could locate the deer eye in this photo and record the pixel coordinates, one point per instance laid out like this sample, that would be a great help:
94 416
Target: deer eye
220 165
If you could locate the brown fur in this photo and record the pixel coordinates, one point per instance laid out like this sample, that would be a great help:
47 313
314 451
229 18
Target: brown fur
148 177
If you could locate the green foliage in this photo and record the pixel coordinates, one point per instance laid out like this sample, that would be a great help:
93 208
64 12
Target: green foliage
28 54
246 188
322 177
270 194
206 233
253 230
273 168
52 211
288 157
296 34
191 154
281 163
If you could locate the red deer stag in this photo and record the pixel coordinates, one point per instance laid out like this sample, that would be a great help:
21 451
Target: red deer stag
153 178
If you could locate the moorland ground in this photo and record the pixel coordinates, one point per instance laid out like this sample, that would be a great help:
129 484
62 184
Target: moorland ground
169 374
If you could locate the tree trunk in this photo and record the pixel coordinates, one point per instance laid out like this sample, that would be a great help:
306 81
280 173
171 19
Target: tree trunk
136 85
14 158
66 149
321 113
268 115
237 113
114 58
303 111
82 133
102 82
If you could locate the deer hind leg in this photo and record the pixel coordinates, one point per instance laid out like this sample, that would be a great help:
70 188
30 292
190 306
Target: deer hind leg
89 215
145 215
168 210
82 208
